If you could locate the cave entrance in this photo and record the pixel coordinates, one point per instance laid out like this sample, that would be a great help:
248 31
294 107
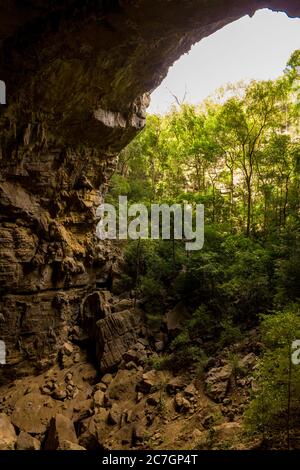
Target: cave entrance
251 48
249 56
235 151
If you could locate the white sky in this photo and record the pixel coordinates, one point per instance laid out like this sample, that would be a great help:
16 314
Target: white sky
250 48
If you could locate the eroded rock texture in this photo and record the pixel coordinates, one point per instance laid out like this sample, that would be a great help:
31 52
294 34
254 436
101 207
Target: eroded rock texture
77 76
115 334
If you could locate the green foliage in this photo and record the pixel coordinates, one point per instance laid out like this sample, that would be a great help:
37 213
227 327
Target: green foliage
154 321
185 352
240 158
201 323
160 362
239 155
230 333
235 363
248 277
153 293
161 407
288 275
275 405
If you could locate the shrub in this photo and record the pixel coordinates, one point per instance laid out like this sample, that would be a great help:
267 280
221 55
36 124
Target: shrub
229 334
275 405
202 322
161 362
185 352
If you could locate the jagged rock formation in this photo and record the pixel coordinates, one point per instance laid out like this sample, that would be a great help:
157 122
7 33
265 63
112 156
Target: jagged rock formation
77 75
115 334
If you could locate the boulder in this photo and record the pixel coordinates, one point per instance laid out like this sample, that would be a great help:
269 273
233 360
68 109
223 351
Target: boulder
115 334
106 379
67 349
138 433
197 435
101 386
248 362
94 307
123 385
131 356
153 400
8 436
32 413
59 393
67 445
114 415
88 441
124 304
131 365
27 442
217 382
181 403
61 429
228 431
125 436
99 397
68 377
174 385
149 380
89 373
77 358
82 409
207 420
143 341
176 318
190 390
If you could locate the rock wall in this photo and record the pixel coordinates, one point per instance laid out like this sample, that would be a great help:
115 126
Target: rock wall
77 75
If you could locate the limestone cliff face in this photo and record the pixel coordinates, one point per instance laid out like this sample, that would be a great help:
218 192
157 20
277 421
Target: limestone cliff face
48 251
78 75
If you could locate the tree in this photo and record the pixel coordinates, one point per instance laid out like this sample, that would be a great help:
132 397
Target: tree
275 404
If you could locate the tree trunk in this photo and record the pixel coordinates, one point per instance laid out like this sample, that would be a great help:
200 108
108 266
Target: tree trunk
289 399
249 203
285 200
